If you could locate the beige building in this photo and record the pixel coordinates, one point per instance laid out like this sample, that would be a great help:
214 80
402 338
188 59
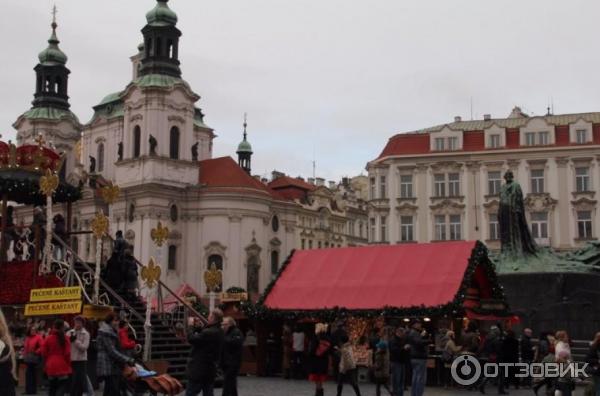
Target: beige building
442 183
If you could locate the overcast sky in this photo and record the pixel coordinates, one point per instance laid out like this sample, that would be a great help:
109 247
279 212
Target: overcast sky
333 79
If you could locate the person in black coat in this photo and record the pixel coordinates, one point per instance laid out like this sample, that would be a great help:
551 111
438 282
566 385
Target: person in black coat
510 354
399 359
527 352
231 359
207 343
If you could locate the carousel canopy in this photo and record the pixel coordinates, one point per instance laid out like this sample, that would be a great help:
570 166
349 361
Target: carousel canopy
396 279
20 171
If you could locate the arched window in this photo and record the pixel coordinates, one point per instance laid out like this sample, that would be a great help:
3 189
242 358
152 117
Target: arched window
274 262
131 214
217 260
170 48
149 47
137 141
174 143
62 175
57 84
172 261
252 278
158 51
275 223
173 213
100 156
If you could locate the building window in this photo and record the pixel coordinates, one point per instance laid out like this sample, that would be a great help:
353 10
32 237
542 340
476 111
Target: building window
174 143
252 275
372 229
439 144
310 244
581 136
530 138
302 244
383 225
217 261
494 227
100 155
539 225
172 261
543 138
137 141
439 184
455 227
274 262
131 214
453 184
382 187
494 182
406 228
174 213
406 186
275 224
360 229
440 227
319 245
537 181
584 224
582 179
372 181
452 143
495 141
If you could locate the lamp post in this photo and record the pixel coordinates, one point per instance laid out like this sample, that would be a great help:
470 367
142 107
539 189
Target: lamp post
99 229
48 185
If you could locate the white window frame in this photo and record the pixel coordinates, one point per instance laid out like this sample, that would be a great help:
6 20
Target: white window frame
584 224
543 138
383 228
453 143
494 183
440 144
440 227
373 186
439 185
406 186
582 180
382 187
453 184
372 229
539 226
530 138
494 227
407 229
455 227
537 182
581 136
494 140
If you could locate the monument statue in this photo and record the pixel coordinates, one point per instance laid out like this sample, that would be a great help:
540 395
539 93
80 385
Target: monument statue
153 143
120 151
92 164
515 237
195 152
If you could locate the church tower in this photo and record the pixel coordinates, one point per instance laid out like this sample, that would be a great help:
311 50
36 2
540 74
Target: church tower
244 151
50 116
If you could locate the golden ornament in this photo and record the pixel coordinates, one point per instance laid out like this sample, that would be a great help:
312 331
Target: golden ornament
151 273
213 278
159 234
48 183
110 193
100 225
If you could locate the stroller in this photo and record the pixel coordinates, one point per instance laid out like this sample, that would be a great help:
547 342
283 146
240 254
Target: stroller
141 381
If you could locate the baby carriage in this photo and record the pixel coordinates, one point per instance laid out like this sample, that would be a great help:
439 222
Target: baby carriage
141 381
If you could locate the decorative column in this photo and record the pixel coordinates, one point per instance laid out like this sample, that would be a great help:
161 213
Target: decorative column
150 276
99 228
212 279
48 184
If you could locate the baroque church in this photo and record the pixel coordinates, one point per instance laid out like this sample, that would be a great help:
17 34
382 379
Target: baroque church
151 140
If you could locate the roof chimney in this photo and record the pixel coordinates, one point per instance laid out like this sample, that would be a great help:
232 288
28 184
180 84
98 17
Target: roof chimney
311 180
332 184
320 181
487 117
457 119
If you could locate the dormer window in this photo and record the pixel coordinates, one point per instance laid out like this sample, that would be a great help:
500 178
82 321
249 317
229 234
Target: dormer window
494 141
581 136
452 143
537 138
530 138
439 144
543 138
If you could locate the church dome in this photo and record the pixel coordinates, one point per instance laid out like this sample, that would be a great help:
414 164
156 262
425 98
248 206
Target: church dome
53 54
161 15
244 147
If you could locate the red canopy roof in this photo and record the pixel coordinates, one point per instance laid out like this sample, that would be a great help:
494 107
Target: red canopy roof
372 277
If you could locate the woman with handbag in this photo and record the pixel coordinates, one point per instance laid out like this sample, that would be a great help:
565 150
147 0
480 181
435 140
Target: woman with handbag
32 351
318 364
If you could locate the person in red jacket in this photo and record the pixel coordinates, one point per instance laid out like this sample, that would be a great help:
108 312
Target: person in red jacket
127 344
33 357
56 351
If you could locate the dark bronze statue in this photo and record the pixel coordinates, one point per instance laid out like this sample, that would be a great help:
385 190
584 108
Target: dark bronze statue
120 151
92 164
153 143
515 237
195 152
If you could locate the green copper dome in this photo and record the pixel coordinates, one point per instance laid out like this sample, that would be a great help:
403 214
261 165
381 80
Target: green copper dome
161 15
244 147
53 54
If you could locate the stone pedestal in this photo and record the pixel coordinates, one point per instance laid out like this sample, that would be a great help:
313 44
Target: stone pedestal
555 301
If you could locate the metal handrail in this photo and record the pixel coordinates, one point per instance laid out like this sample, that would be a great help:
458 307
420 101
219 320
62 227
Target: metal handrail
109 289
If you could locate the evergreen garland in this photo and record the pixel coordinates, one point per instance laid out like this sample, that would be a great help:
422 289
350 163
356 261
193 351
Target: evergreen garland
479 257
27 191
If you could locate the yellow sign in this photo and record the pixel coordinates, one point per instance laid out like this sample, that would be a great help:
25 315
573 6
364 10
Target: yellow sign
97 312
228 297
55 294
53 308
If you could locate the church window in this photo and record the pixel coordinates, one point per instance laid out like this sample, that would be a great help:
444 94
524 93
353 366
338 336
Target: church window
584 224
173 213
170 48
275 223
253 275
131 214
158 51
274 262
57 84
172 261
137 141
174 143
100 155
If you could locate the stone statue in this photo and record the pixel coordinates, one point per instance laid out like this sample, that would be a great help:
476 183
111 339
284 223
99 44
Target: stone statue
92 164
195 152
515 237
120 151
153 143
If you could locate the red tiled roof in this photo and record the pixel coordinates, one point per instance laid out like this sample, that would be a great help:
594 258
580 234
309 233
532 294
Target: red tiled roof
473 141
561 135
406 143
224 172
372 277
286 181
512 138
